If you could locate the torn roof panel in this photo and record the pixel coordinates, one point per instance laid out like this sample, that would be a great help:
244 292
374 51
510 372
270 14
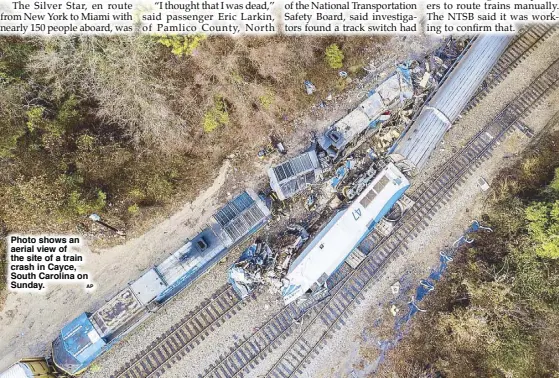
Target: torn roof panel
397 88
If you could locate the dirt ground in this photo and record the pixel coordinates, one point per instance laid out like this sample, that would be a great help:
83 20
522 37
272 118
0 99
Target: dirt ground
29 322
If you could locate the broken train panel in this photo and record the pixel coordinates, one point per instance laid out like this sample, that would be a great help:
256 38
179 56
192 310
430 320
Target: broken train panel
254 267
295 174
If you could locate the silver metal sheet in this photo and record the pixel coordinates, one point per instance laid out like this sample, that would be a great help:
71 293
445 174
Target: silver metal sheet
148 286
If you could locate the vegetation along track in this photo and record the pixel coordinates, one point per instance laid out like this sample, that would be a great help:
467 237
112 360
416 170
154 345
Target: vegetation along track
186 334
330 314
183 336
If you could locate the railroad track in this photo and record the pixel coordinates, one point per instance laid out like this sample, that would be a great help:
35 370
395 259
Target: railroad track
522 45
183 336
190 331
330 314
520 48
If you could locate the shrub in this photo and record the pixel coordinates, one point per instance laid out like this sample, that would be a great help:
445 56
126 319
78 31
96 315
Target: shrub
82 206
554 185
334 56
216 116
133 209
35 117
266 100
543 226
182 45
85 142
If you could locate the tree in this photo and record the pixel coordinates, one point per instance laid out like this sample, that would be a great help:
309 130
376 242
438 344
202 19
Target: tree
543 226
12 116
334 56
121 74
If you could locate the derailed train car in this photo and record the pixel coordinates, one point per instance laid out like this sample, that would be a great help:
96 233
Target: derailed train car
329 249
436 118
294 175
391 94
89 335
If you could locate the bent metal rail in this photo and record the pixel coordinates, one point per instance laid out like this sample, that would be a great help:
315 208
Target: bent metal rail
330 314
187 333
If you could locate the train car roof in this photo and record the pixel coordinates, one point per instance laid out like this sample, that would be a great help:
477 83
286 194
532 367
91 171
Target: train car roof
114 316
190 257
293 175
417 144
240 217
77 345
328 250
17 371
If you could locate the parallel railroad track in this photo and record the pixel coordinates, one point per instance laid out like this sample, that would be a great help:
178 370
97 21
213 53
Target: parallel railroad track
183 336
330 314
520 48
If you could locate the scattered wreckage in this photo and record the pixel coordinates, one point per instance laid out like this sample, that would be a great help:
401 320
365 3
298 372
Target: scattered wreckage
343 162
258 265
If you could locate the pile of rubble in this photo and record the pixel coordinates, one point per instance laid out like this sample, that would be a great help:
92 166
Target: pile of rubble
261 265
255 264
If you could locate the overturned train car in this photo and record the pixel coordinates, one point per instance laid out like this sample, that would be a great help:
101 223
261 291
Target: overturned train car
89 335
